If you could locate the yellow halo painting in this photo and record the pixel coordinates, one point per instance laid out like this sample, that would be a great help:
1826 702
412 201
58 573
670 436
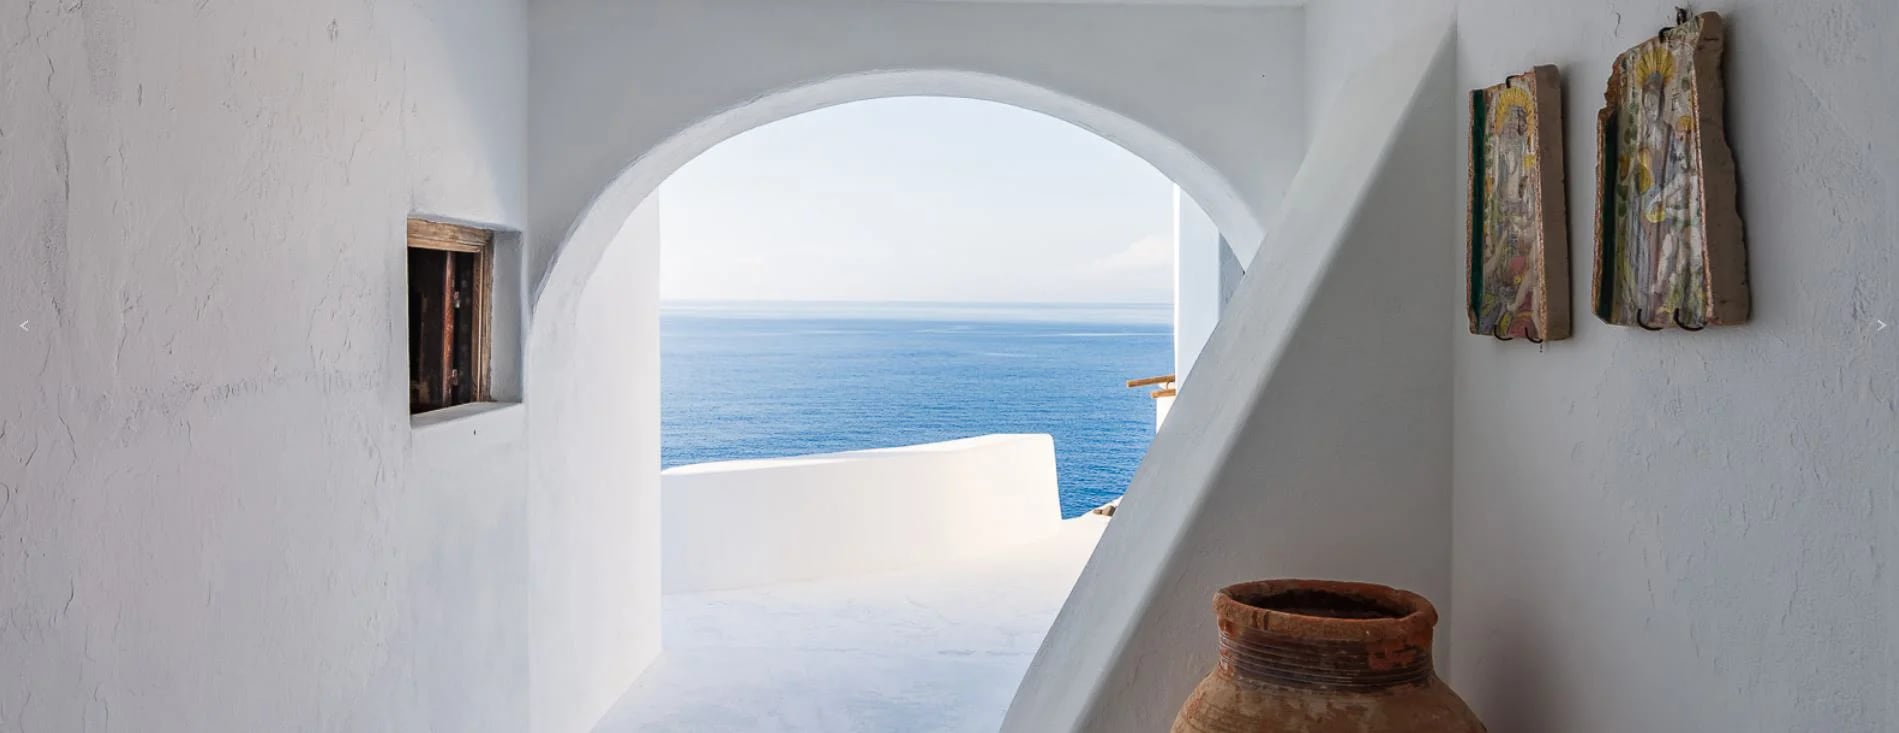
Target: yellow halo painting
1669 250
1518 256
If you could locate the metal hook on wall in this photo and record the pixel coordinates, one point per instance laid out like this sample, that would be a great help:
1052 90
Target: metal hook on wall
1684 326
1497 333
1642 320
1528 334
1681 16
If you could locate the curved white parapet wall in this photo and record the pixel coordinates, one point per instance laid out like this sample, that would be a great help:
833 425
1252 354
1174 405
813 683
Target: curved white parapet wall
743 523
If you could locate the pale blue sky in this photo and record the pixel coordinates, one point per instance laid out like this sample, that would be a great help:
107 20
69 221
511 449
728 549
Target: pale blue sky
917 199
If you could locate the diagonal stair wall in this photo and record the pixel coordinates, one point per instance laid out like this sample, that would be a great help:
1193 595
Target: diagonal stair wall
1315 437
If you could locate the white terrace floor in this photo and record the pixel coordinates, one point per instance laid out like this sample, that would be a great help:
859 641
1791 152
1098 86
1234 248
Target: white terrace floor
936 648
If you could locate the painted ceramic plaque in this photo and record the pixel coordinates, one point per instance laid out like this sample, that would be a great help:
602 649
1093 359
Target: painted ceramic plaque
1518 256
1669 250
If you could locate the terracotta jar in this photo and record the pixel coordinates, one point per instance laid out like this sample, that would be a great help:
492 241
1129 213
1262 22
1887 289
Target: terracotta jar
1315 656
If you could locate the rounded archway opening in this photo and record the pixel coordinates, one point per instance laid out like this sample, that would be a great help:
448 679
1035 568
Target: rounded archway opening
592 365
586 240
914 270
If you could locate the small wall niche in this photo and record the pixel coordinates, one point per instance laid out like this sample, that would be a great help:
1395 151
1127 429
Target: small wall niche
463 315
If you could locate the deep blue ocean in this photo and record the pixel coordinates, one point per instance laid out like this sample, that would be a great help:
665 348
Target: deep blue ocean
760 380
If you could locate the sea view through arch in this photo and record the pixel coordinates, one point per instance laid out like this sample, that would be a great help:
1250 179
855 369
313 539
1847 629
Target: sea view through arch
768 379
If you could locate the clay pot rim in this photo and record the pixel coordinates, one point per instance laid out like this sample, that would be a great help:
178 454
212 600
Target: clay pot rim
1418 617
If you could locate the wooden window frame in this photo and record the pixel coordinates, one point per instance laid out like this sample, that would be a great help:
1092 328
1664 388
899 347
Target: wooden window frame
456 238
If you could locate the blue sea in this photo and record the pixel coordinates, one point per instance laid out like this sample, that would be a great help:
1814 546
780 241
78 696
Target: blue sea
760 380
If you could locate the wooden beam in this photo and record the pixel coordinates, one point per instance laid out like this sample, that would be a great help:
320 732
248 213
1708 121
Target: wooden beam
452 237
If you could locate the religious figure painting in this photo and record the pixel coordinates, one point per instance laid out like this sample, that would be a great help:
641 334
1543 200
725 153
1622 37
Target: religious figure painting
1669 249
1518 256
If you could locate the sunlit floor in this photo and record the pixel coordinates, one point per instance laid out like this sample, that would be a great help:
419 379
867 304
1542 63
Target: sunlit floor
937 648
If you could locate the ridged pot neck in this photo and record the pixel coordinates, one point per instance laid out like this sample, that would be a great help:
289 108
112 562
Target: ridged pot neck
1323 634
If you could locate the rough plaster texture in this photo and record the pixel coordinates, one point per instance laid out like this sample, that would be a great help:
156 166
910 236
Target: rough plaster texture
1312 440
1690 532
204 520
1699 532
734 524
470 548
213 513
200 532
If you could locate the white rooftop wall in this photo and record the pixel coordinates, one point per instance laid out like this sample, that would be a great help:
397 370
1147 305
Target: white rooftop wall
738 524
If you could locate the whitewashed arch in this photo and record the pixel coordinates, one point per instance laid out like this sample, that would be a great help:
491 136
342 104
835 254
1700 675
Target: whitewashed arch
579 251
594 496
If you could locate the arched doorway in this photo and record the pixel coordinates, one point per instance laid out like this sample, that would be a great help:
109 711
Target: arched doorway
587 237
593 404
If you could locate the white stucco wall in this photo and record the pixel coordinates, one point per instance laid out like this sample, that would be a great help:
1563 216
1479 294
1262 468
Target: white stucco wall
1197 287
734 524
622 83
1690 532
214 513
1312 440
593 409
1162 405
1698 532
1344 35
469 553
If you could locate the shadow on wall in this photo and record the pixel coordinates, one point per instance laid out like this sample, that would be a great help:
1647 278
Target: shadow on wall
593 472
1301 448
1532 703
